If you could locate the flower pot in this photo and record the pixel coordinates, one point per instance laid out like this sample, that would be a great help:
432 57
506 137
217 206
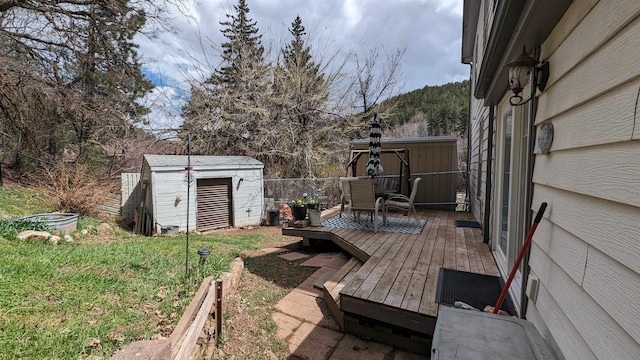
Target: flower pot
314 218
299 212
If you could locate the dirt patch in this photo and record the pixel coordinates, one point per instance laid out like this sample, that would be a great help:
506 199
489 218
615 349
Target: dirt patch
249 331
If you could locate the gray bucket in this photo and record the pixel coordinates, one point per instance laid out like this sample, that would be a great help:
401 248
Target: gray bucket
274 217
170 229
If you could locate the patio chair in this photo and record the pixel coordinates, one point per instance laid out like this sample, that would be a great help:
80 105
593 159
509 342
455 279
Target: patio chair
345 192
363 199
403 203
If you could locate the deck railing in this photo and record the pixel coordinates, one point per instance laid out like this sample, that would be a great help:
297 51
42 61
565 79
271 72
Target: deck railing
327 190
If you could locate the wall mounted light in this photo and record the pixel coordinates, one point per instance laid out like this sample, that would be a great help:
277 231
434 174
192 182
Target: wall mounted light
520 70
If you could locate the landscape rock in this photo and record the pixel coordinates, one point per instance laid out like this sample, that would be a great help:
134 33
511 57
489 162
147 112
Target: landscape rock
54 239
104 228
84 232
68 238
32 234
145 350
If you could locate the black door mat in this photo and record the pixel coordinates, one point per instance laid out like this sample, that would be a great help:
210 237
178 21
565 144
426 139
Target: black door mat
469 224
476 290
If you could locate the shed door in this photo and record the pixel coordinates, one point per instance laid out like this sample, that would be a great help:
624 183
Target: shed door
213 204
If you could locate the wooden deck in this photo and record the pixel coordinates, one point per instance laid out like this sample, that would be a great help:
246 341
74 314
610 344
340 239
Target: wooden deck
395 285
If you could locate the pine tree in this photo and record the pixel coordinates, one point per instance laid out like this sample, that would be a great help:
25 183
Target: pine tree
299 79
230 112
300 96
243 54
70 83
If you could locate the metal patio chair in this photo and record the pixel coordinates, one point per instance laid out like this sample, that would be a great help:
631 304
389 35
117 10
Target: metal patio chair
363 199
402 202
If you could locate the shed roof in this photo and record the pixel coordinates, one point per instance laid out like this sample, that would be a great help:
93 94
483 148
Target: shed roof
180 161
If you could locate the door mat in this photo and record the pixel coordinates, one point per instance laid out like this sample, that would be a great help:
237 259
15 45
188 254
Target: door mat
476 290
469 224
394 224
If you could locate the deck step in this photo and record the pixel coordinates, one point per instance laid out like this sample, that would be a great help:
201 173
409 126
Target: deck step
335 283
319 284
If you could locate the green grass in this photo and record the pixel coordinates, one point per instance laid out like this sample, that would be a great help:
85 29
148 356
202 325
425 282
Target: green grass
90 297
17 201
54 299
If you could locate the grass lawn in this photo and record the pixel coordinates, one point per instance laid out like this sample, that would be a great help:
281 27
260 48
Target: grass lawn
90 297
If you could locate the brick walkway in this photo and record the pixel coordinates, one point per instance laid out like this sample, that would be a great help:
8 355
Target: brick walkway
306 324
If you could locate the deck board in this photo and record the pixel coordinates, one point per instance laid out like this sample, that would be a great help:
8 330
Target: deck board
367 268
404 259
475 262
399 273
427 300
387 270
462 254
413 296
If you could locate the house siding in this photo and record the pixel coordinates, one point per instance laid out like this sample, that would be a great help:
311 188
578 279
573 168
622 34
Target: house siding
587 246
479 118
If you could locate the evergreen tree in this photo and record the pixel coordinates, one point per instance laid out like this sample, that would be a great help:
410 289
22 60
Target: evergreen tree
227 114
299 78
300 96
243 54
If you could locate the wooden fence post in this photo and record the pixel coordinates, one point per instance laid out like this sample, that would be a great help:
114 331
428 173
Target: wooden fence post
219 311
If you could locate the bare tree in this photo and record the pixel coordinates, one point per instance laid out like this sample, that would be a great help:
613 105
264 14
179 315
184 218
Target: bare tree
377 80
70 74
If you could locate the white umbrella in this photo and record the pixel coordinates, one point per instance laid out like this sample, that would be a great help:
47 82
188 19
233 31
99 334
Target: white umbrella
374 167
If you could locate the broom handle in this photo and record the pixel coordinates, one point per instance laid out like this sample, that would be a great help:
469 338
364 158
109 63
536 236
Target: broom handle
516 265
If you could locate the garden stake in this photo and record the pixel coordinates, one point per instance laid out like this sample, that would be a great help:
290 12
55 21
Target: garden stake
524 248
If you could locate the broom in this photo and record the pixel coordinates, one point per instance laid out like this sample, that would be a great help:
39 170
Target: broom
516 265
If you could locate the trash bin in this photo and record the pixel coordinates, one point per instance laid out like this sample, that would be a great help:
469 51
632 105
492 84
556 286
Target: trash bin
466 334
273 217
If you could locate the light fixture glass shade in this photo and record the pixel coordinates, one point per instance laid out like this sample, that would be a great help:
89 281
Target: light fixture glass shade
519 77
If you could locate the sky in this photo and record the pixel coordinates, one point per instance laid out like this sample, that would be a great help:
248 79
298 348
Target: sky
186 47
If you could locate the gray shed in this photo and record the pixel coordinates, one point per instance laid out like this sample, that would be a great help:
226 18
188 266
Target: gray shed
225 191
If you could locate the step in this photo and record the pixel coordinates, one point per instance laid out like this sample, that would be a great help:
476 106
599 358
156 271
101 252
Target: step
335 283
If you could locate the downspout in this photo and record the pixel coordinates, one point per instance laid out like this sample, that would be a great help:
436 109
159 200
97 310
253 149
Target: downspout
487 190
468 173
529 178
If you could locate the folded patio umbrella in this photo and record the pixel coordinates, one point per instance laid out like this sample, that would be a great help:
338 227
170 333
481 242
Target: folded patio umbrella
374 167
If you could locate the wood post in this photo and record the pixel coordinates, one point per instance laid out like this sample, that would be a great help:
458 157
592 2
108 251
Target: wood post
218 310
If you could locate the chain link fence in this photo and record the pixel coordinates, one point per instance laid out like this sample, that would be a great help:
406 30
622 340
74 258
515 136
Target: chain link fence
325 190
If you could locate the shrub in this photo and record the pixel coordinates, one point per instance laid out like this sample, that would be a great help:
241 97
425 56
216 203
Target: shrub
10 228
72 189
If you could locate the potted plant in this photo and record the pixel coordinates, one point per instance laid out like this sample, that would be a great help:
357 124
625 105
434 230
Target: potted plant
299 209
314 212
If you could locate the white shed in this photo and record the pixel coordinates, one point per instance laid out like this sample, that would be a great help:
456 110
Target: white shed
224 191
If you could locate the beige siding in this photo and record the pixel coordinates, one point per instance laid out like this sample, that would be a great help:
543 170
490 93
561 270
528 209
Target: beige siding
587 247
555 321
478 159
611 65
604 336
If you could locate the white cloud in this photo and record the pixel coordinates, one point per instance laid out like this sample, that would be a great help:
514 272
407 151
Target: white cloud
431 29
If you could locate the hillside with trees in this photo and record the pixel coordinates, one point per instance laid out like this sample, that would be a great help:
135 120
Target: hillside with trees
431 111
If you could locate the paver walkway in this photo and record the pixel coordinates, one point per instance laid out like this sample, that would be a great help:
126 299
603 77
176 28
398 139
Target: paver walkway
306 324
